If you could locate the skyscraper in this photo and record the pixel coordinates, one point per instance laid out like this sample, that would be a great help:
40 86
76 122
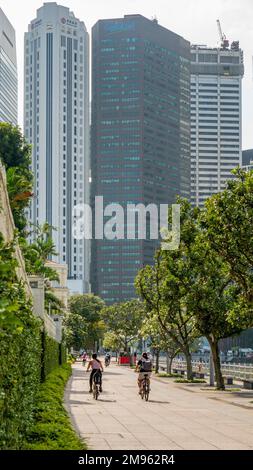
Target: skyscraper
140 136
216 78
8 72
56 123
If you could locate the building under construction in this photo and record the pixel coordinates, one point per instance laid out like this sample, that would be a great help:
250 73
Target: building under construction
216 78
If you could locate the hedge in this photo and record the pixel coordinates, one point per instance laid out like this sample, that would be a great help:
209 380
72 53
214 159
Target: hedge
52 428
50 356
26 354
19 381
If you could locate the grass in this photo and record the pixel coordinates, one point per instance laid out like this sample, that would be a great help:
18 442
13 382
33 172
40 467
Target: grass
52 429
192 381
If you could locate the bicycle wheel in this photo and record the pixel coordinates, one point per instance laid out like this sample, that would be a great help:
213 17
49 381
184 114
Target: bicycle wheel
94 390
97 392
146 393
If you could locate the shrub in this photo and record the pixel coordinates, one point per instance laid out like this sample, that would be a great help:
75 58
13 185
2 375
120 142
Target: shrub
52 429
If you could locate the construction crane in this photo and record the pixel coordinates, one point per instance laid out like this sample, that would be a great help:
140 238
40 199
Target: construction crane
223 39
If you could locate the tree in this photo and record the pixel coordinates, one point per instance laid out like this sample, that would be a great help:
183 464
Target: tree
75 331
159 341
14 150
228 221
39 251
36 256
164 287
211 298
124 320
89 307
15 154
113 341
164 301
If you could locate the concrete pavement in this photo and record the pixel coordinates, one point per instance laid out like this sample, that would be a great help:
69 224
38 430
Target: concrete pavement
176 417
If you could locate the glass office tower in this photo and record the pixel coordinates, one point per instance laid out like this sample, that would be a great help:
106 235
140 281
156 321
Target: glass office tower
140 135
8 72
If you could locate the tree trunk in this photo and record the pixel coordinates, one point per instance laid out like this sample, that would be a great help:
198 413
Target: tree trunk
157 361
170 365
167 362
188 359
217 365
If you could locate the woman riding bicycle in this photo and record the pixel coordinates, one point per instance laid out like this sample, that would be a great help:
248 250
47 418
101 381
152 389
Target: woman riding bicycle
107 359
144 366
96 368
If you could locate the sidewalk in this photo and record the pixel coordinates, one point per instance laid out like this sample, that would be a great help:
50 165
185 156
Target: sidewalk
172 419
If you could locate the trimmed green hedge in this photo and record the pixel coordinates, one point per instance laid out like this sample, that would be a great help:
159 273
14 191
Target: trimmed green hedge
52 429
19 381
50 358
63 354
20 353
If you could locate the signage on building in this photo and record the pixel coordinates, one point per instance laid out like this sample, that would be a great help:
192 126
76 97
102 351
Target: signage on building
36 24
69 22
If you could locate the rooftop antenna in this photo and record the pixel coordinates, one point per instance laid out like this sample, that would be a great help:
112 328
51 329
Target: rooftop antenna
154 19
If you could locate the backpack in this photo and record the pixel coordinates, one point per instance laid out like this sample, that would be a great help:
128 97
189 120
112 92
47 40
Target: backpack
146 365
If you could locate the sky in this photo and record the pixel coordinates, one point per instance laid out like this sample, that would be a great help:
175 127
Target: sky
195 20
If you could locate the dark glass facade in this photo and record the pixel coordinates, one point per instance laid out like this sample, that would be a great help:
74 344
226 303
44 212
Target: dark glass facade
140 135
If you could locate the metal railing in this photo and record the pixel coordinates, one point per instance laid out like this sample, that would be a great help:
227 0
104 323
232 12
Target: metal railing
237 371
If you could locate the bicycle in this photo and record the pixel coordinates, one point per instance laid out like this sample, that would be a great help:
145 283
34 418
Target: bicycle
107 362
96 386
145 389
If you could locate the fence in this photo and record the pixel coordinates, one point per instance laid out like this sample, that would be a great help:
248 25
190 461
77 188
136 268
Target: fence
237 371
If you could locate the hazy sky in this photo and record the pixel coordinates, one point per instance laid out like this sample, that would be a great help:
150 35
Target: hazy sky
195 20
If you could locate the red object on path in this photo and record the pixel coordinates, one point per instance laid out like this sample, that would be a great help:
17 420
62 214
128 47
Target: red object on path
124 360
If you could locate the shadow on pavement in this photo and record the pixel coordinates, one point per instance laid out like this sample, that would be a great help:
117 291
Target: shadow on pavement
76 402
160 402
111 373
107 401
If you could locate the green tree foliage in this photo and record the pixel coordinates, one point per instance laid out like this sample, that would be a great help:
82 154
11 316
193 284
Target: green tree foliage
15 154
36 256
89 307
210 294
228 221
75 331
124 320
113 341
159 340
164 287
190 291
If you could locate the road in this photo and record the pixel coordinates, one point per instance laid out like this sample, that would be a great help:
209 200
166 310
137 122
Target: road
176 417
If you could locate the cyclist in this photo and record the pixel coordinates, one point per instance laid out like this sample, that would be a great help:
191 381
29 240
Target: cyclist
144 366
84 358
107 359
96 368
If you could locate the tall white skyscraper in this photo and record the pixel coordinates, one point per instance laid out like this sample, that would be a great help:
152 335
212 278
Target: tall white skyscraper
216 78
8 72
56 123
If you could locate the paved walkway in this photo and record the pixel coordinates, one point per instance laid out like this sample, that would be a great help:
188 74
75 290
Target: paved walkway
176 417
